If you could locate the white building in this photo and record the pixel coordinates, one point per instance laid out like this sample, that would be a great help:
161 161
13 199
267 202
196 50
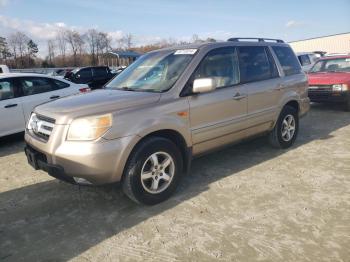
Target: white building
339 43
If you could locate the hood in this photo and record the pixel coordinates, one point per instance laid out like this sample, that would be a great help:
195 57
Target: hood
328 78
95 102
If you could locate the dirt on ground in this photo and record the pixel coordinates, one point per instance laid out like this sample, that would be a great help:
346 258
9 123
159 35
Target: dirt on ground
248 202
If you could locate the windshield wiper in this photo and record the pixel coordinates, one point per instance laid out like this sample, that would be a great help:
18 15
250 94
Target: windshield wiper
126 88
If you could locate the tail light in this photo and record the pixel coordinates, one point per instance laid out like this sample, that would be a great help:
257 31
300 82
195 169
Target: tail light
84 89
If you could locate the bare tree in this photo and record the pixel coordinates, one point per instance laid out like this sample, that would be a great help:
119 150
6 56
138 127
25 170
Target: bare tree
4 49
127 40
61 44
18 42
75 41
51 50
92 39
103 43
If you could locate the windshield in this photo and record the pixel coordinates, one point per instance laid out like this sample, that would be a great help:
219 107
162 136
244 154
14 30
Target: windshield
153 72
332 65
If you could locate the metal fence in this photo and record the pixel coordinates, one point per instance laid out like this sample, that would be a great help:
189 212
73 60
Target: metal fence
37 70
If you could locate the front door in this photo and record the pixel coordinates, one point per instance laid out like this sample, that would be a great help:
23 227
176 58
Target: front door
11 114
216 116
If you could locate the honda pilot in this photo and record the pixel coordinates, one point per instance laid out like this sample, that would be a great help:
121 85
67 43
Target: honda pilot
170 105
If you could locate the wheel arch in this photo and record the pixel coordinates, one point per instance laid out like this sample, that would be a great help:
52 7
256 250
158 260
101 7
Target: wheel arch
175 137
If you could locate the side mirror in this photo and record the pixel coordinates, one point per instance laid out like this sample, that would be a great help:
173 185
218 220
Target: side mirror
77 76
203 85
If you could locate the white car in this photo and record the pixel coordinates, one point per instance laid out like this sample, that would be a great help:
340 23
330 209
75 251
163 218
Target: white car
4 69
20 93
307 60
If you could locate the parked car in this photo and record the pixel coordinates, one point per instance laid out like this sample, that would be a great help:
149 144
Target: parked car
168 106
307 60
20 93
329 81
60 73
337 54
4 69
96 77
118 70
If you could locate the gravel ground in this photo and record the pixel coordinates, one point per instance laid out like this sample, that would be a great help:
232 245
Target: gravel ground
245 203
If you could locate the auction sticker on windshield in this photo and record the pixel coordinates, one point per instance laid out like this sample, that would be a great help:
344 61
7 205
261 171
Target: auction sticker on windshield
185 52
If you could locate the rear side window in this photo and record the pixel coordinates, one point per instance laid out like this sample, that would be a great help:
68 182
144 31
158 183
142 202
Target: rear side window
256 64
287 60
304 60
60 84
220 64
6 89
100 71
85 73
36 85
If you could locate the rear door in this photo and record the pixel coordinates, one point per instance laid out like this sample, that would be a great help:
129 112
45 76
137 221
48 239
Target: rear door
38 90
83 76
260 77
100 76
11 114
216 116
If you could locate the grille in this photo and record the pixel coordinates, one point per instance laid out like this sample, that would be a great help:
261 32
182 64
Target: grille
42 126
320 88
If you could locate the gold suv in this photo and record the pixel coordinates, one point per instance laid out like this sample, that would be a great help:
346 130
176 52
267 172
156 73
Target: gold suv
170 105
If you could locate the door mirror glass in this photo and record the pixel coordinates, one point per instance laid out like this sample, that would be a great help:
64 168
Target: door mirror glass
203 85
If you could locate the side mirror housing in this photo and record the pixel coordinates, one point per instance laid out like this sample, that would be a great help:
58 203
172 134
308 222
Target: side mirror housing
203 85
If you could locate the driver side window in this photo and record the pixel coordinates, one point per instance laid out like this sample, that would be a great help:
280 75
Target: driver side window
221 65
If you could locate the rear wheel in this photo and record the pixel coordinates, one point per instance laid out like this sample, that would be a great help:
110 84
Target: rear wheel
286 129
153 171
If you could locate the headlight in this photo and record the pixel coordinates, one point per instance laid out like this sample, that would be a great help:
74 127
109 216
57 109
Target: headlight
340 87
31 121
89 128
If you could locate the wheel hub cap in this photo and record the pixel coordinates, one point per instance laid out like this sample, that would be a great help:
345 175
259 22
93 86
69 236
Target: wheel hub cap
157 172
288 128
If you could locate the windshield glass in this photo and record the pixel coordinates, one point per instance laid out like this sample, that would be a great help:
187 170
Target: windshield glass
153 72
332 65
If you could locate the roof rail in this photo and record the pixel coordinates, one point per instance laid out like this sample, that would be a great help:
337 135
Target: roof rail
237 39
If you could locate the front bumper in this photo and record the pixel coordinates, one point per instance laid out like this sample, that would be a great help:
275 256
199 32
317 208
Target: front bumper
39 162
98 162
328 96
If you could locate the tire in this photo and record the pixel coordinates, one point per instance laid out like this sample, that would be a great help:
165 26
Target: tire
159 181
278 137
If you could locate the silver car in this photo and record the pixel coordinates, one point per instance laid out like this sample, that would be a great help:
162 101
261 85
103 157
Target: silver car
169 106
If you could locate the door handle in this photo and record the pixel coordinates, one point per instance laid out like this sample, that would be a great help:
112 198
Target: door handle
10 105
54 97
238 96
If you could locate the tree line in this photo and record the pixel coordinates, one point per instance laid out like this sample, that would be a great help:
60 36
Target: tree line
71 48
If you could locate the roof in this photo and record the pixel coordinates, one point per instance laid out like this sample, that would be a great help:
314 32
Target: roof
318 37
20 74
305 53
219 44
125 54
334 57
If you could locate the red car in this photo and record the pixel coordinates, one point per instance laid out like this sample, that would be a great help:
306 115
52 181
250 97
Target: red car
329 80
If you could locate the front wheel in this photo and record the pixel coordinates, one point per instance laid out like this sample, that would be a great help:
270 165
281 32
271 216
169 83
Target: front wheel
153 171
286 129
